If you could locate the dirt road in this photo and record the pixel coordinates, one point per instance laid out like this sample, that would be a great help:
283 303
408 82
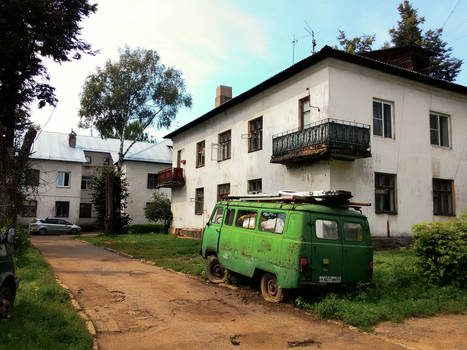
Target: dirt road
138 306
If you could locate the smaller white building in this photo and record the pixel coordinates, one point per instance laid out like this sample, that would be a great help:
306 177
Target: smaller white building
62 166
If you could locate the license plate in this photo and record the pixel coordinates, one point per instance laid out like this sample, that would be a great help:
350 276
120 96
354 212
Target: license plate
330 279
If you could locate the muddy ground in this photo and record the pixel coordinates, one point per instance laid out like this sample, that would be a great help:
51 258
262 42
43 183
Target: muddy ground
139 306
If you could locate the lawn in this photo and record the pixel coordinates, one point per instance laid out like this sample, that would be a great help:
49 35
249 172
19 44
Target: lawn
400 291
43 317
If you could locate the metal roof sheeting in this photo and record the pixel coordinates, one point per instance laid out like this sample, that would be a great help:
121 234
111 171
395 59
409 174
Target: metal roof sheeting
54 146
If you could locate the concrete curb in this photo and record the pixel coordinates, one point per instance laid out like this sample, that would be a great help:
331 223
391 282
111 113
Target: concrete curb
79 309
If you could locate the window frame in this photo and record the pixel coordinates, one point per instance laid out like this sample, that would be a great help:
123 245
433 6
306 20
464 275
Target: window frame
438 130
64 177
225 145
200 154
301 111
199 201
383 121
67 206
253 183
255 132
28 208
152 184
386 187
450 193
222 196
86 180
81 210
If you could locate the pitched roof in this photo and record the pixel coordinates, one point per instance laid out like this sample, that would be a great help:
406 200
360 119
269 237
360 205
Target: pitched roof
325 52
54 146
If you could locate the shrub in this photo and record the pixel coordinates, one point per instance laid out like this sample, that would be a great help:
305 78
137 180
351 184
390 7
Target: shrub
21 243
146 228
442 250
158 210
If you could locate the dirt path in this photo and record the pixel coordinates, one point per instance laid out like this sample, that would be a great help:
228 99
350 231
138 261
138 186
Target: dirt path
139 306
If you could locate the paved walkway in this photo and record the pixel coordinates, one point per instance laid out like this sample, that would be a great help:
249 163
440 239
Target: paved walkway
138 306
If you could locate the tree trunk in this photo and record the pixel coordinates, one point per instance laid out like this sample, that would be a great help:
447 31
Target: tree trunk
109 217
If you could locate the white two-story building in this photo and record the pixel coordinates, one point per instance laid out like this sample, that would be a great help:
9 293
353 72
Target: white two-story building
63 166
375 125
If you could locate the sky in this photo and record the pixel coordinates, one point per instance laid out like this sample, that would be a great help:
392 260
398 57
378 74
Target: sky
235 43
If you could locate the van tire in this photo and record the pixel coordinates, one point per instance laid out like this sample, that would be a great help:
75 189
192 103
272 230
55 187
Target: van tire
270 288
214 270
6 302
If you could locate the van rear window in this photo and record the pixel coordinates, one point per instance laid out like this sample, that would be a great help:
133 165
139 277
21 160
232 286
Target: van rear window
326 229
353 231
272 222
246 219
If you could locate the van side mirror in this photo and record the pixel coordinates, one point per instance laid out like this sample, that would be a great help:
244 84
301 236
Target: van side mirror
207 224
11 235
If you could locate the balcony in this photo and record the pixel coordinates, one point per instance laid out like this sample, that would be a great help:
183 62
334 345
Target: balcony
329 138
171 177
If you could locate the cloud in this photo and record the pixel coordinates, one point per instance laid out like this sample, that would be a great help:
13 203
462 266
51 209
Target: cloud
197 37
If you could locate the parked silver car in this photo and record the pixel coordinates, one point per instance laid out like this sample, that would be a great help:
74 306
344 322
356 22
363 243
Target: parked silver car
53 226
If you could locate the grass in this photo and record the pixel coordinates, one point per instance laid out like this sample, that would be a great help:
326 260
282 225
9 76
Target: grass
400 292
43 317
169 251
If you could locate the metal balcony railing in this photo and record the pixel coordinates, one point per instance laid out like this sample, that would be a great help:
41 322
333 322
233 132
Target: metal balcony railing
327 137
170 177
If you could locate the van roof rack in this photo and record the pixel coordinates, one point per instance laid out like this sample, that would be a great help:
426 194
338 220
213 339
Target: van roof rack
330 197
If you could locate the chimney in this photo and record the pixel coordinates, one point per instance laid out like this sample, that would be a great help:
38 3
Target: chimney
72 139
223 94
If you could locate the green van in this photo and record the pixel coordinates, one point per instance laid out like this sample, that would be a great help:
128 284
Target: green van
290 245
8 280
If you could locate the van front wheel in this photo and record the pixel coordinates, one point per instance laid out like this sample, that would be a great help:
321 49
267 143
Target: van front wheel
270 288
214 270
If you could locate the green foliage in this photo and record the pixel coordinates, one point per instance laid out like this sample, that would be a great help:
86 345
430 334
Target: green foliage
119 197
43 317
357 44
401 292
442 250
22 242
406 33
158 210
125 97
146 228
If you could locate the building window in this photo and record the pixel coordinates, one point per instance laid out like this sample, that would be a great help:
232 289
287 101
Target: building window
255 186
63 179
199 201
382 119
200 154
255 130
223 192
439 129
62 209
30 208
224 145
304 113
152 181
85 210
106 161
385 193
32 177
442 197
88 159
86 182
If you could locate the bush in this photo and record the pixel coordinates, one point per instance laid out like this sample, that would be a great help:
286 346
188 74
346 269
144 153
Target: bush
146 228
158 210
442 250
21 243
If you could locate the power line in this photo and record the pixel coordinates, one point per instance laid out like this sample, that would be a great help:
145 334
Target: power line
450 13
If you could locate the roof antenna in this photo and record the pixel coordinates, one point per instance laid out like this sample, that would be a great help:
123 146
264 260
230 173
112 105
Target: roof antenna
312 33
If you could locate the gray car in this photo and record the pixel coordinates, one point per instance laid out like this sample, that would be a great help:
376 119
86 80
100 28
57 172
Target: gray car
53 226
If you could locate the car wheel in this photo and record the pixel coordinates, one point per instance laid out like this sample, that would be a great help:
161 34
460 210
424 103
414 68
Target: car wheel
6 302
74 231
270 288
43 231
214 270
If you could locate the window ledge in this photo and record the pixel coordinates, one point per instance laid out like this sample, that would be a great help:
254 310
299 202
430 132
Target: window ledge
386 212
445 148
255 150
221 160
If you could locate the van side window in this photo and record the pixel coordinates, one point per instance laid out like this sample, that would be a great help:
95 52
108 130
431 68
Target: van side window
272 222
216 217
326 229
353 231
229 217
246 219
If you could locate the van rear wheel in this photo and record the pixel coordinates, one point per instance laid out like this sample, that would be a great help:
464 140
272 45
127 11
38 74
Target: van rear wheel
270 288
214 270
